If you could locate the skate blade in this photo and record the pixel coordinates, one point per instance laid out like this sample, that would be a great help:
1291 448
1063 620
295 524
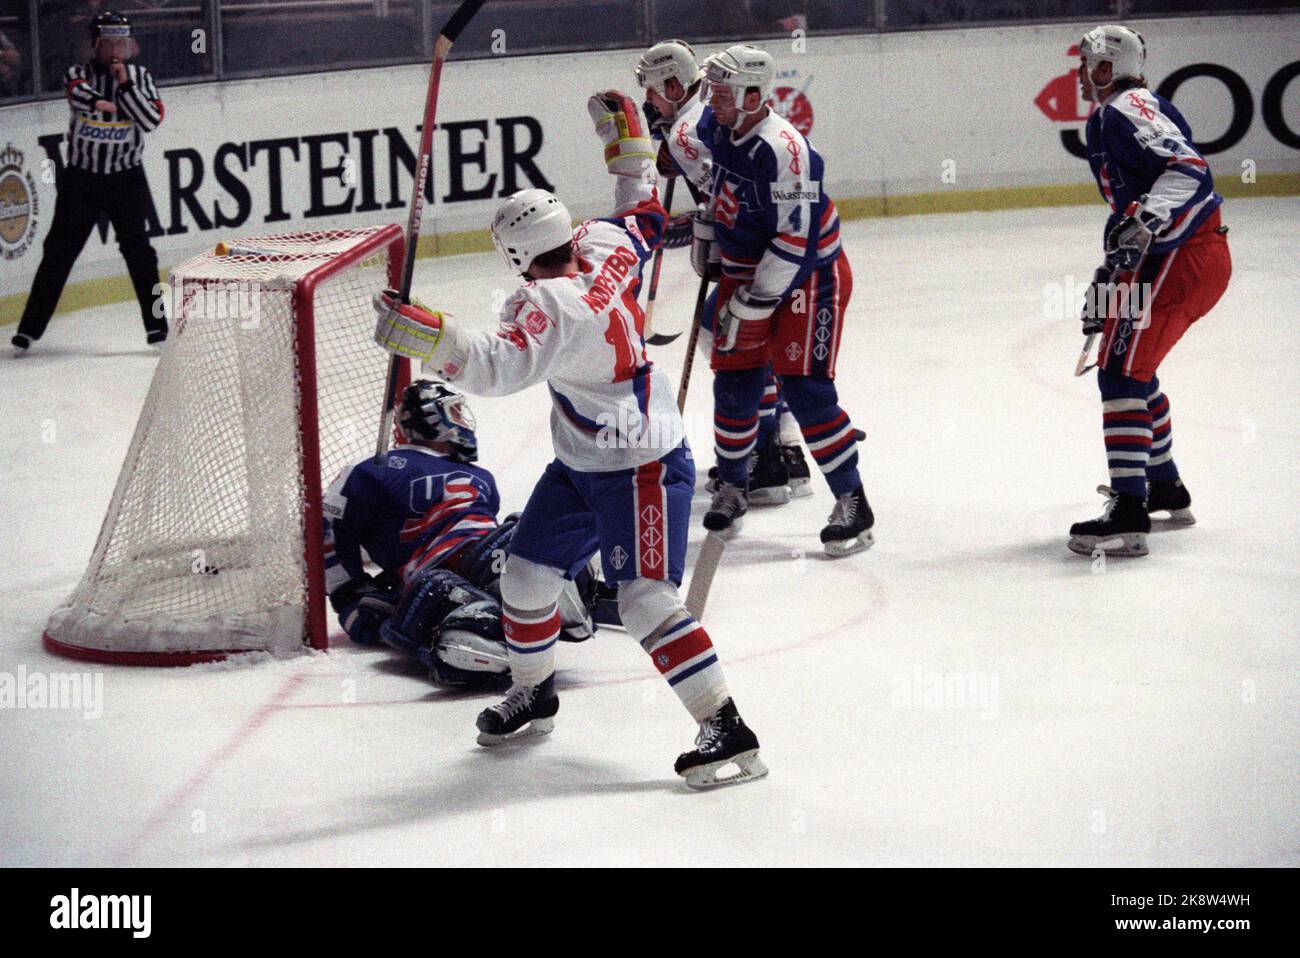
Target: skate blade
801 488
1179 517
847 547
1128 544
539 726
749 768
770 496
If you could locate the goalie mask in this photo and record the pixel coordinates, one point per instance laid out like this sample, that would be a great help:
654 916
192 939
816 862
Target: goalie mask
438 412
741 68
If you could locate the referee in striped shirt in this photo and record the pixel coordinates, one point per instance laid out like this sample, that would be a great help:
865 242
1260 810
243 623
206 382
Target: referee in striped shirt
114 103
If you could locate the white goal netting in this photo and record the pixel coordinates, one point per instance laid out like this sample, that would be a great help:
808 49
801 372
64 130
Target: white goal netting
269 384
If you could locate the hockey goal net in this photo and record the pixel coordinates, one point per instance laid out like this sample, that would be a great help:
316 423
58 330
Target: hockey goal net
268 385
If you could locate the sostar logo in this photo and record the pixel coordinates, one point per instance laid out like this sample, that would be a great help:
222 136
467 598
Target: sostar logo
19 205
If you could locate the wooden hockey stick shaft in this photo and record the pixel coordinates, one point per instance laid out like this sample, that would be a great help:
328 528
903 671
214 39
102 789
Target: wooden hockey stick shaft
706 567
689 361
1082 365
649 327
424 159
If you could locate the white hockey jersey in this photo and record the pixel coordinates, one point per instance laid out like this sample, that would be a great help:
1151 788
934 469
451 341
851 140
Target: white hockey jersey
688 153
581 334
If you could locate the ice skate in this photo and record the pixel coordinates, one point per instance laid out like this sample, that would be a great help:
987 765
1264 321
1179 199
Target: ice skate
724 740
796 467
528 710
849 528
1171 496
1121 529
769 479
727 511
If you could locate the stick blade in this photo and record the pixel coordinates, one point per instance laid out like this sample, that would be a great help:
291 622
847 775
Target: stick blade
706 567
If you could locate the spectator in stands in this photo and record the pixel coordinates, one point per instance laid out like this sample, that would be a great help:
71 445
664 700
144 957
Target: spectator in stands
790 15
11 68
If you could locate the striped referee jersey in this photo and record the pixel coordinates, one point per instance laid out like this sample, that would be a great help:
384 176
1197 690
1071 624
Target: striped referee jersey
101 142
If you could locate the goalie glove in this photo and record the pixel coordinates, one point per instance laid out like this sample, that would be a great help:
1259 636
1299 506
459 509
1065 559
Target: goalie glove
1131 234
413 331
706 258
680 231
744 321
1096 301
363 605
618 122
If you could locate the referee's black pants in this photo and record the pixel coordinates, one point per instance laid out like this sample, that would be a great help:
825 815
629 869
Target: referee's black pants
82 197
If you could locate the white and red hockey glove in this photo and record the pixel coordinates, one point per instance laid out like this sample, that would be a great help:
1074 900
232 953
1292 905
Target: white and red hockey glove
744 321
620 126
413 331
1132 234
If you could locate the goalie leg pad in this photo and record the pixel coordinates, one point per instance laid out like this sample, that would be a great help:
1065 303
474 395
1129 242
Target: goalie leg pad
427 601
470 648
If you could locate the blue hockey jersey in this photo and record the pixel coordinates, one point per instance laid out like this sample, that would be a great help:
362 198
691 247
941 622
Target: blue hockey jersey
774 222
1139 143
409 513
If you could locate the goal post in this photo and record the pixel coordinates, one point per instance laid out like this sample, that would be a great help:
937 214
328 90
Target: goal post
213 542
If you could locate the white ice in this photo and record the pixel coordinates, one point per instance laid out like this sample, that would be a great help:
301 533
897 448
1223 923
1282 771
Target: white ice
1144 714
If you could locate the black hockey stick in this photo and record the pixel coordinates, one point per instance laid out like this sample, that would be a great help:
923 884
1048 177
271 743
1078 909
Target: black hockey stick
659 339
441 48
689 361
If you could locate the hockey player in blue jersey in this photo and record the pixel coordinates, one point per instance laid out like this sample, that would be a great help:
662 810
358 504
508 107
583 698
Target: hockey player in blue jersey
670 75
785 286
426 514
1165 241
623 479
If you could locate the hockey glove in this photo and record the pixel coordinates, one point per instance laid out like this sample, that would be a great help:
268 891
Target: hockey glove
1096 301
680 231
413 331
744 321
363 605
618 121
655 122
1131 235
706 258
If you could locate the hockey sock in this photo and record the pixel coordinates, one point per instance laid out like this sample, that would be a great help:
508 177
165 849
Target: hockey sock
736 398
827 430
683 653
1126 427
767 409
530 643
1161 464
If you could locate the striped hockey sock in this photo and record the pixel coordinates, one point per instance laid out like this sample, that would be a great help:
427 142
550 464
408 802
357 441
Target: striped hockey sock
1126 428
1161 464
827 431
736 398
768 408
530 644
684 656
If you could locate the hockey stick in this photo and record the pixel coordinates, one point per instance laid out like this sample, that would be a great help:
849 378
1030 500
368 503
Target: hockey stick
689 361
653 339
706 567
1082 366
441 48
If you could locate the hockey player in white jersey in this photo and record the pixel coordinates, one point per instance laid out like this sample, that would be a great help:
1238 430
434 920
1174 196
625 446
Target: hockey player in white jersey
623 479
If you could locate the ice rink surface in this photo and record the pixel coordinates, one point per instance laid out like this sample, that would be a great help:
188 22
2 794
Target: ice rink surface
967 692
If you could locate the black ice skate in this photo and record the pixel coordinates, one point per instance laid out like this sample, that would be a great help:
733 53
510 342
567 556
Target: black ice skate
849 528
724 740
796 466
1171 496
769 479
1120 530
726 513
528 710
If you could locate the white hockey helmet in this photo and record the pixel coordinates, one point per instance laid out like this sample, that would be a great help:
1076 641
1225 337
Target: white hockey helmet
1122 48
668 60
742 67
527 224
